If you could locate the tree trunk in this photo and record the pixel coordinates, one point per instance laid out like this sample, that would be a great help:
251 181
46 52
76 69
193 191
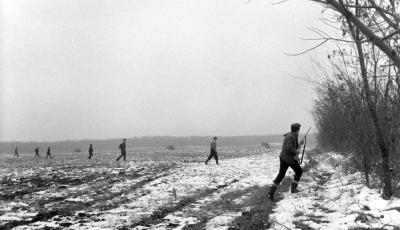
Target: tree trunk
387 177
366 169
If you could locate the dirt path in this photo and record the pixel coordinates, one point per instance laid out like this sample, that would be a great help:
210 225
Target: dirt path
227 206
335 199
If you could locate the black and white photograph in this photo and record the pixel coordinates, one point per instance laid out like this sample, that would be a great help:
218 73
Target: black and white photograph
200 114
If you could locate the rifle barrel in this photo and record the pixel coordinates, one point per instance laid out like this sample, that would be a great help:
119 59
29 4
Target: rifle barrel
306 133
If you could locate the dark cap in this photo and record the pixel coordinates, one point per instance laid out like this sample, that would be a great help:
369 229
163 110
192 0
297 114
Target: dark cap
215 138
294 127
124 139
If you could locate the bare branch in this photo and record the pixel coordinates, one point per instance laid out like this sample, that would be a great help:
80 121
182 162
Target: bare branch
318 31
373 6
390 35
389 51
297 54
383 13
280 2
329 23
332 39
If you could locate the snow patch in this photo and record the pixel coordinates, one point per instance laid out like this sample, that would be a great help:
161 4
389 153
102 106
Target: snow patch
222 222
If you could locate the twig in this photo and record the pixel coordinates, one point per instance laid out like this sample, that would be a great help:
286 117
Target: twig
333 39
390 35
280 2
312 48
274 220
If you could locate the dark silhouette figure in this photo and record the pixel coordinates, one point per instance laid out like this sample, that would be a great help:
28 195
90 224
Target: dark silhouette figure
289 157
16 152
37 152
213 151
48 154
90 151
122 147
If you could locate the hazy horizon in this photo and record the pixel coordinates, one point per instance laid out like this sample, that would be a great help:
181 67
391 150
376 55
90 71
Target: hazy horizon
146 142
155 136
85 69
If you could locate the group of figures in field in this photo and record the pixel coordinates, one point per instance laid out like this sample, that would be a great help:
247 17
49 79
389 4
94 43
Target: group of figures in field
37 155
289 157
122 147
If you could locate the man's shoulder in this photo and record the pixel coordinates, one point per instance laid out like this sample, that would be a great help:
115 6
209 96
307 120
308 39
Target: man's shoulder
290 135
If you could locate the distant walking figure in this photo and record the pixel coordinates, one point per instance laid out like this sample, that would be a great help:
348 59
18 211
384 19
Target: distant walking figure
213 151
289 157
37 152
90 151
122 147
16 152
48 154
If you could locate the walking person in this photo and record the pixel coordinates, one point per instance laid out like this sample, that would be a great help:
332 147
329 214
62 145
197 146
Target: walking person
289 157
16 152
37 152
122 147
213 151
90 151
48 154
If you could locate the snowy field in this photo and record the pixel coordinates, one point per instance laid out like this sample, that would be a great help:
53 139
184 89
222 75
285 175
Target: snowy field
176 190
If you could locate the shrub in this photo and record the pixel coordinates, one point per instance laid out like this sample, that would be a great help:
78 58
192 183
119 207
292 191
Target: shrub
265 145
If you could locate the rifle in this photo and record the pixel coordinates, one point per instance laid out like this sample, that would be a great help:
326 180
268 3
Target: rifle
305 142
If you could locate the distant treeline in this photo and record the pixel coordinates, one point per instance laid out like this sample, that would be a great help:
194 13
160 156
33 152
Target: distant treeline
154 141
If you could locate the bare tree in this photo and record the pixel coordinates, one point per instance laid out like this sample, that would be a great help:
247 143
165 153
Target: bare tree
378 32
371 28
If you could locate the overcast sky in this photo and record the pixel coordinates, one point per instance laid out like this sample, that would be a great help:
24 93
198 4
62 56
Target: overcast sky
74 69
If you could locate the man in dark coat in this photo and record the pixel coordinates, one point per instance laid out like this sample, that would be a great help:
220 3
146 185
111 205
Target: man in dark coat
213 151
90 151
289 158
16 152
122 147
37 152
48 154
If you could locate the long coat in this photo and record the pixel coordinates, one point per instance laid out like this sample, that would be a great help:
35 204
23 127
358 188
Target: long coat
289 148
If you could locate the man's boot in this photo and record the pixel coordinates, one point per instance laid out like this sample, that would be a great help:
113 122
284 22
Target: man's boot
272 192
294 189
